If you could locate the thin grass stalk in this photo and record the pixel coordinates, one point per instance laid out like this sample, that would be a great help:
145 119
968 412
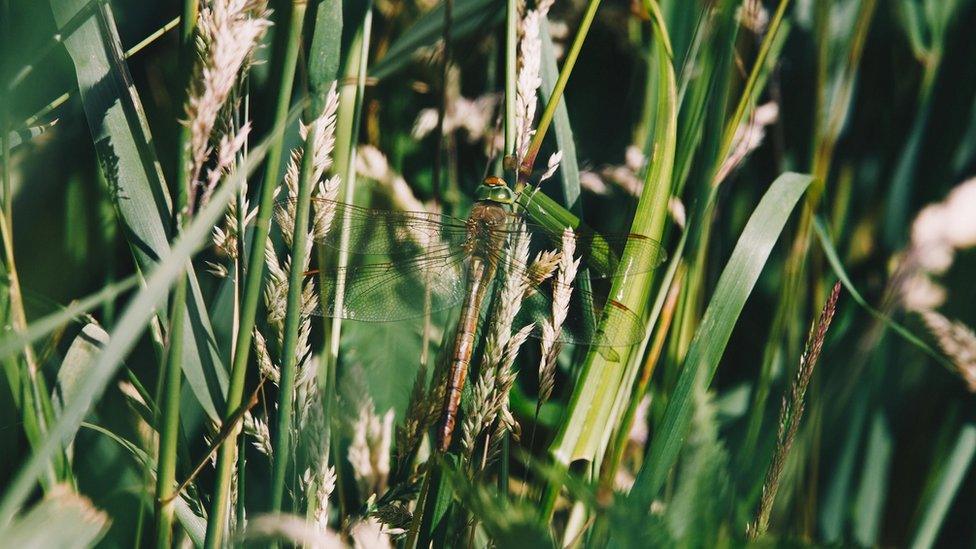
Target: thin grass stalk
511 71
525 170
347 132
442 110
253 279
5 186
511 76
345 150
61 99
293 318
746 99
169 422
33 385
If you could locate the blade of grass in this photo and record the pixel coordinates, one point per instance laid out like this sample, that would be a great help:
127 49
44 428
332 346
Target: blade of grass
585 432
291 37
194 525
347 137
562 129
293 317
79 523
830 252
61 99
952 476
41 327
125 151
734 286
171 374
555 96
131 325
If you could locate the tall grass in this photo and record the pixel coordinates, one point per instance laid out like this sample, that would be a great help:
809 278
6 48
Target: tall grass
770 151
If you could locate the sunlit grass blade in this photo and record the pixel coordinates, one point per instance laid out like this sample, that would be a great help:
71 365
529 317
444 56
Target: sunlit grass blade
585 429
736 283
960 459
62 519
13 343
831 253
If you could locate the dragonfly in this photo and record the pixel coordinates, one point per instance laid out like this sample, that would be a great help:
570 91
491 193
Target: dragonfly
409 264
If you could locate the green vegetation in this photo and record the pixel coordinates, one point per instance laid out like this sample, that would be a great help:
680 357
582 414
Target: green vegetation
209 340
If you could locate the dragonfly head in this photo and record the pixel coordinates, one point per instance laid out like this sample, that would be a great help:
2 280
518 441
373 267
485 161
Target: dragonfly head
494 189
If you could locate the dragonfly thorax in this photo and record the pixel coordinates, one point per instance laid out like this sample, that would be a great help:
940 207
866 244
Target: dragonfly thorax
486 229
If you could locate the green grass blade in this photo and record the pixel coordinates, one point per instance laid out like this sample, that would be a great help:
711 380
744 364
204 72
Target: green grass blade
953 474
287 43
873 491
324 54
14 343
78 362
736 283
585 430
293 318
563 131
820 228
131 325
125 151
194 525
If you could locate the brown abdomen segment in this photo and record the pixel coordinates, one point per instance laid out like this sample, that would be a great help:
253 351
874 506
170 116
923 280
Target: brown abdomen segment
463 347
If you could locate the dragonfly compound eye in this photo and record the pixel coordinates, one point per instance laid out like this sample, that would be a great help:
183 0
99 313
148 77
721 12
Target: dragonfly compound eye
495 190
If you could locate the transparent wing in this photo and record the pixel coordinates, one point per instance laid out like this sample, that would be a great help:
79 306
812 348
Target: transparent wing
584 302
603 254
380 232
586 312
393 290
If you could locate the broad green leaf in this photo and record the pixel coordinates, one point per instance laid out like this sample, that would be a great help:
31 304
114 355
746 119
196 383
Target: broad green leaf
324 55
62 519
734 286
125 151
77 364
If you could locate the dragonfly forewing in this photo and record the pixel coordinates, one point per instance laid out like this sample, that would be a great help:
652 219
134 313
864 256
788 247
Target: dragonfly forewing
394 290
368 231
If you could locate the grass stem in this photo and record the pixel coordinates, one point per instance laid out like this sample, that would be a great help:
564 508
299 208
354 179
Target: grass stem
227 455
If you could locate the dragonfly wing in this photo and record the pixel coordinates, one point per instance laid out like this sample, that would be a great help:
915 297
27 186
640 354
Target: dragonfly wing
395 290
368 231
588 320
604 255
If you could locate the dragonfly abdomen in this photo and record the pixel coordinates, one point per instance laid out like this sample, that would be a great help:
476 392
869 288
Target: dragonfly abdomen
479 275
